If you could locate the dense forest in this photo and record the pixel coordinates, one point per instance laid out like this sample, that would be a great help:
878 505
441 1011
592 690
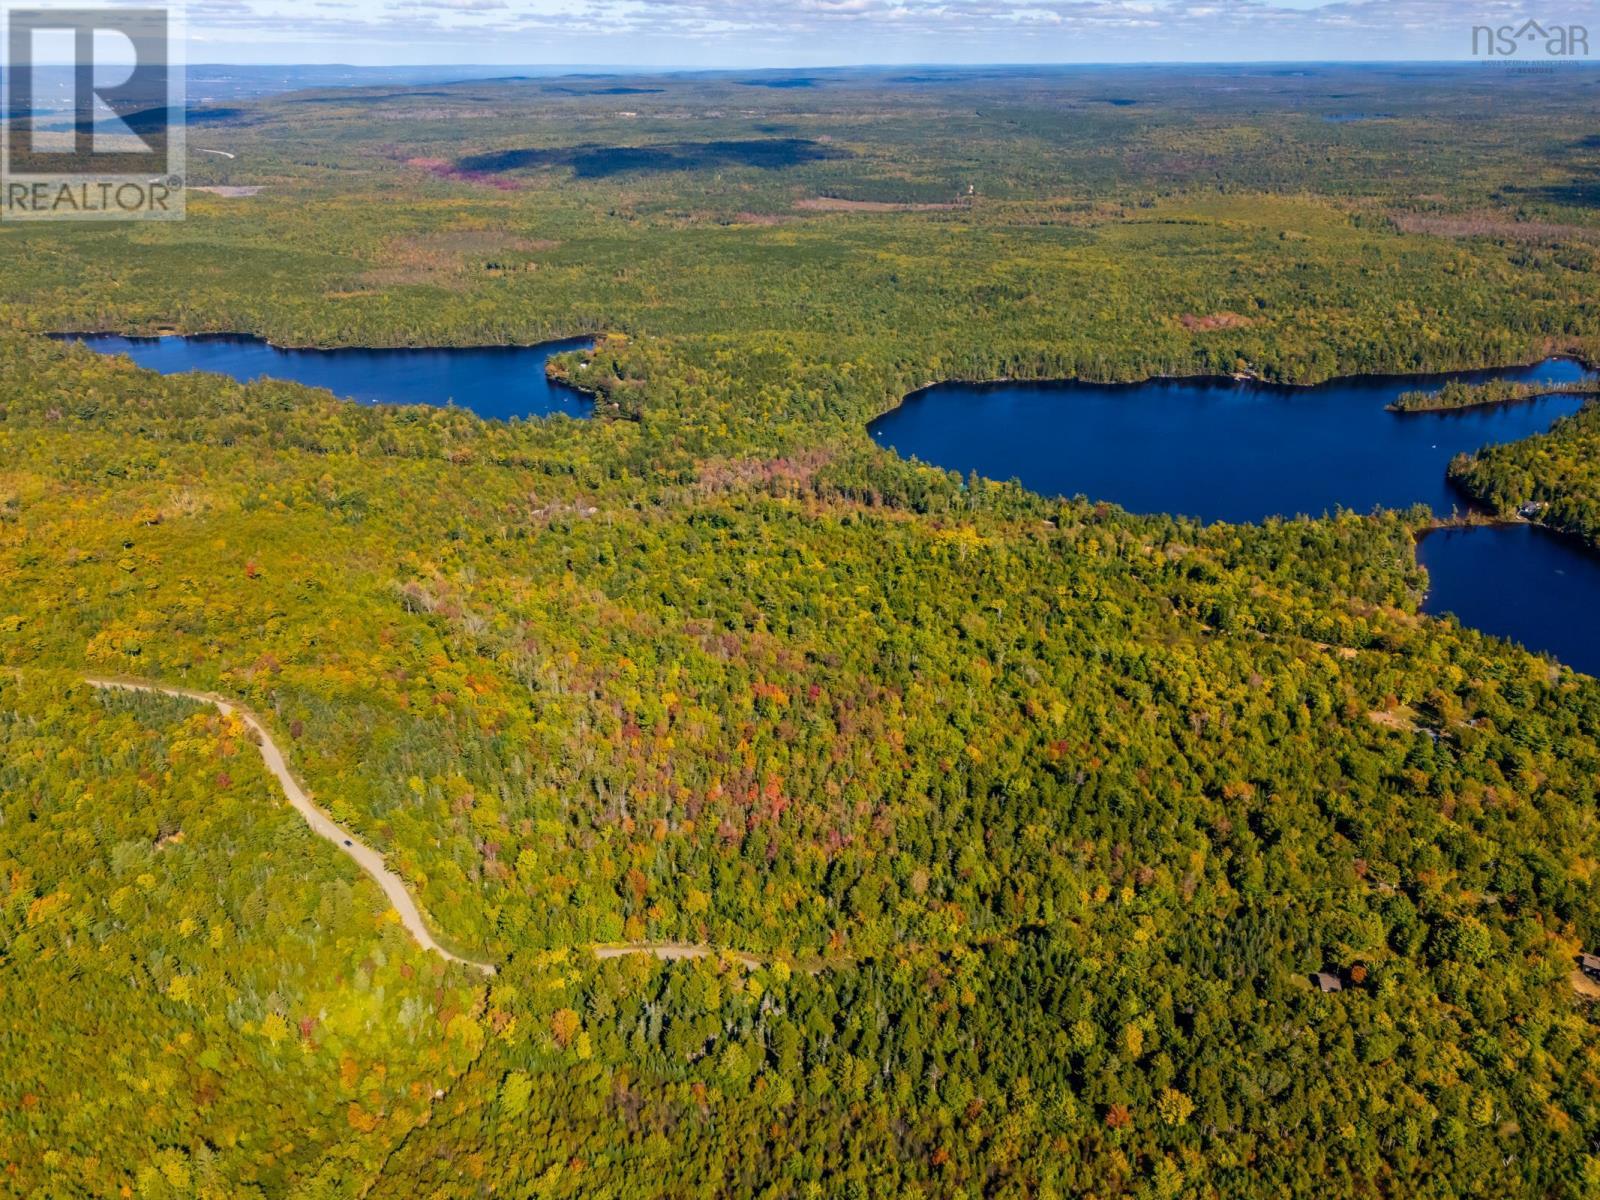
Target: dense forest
196 1001
1066 852
1554 477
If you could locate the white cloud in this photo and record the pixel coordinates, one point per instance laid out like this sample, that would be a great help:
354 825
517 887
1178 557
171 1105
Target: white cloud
746 33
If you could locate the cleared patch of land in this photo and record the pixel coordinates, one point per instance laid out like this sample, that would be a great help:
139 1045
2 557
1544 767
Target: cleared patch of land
1494 225
1212 321
447 257
1402 719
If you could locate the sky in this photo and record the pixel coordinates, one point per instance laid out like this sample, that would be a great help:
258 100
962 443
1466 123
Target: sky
799 33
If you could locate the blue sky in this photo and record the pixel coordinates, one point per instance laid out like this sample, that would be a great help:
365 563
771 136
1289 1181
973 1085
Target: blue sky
755 33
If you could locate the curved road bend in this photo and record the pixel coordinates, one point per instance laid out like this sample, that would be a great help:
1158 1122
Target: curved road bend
368 859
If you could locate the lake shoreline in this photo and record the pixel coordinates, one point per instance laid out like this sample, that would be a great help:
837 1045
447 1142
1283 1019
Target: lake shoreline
1246 378
82 335
499 383
1488 520
1591 390
1249 379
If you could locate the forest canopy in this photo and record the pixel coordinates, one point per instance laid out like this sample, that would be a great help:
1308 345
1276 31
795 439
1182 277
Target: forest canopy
1064 851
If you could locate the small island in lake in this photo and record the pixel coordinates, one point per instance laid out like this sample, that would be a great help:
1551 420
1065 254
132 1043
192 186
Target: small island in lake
1457 394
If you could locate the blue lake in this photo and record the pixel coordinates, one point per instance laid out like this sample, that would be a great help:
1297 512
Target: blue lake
499 382
1221 450
1216 449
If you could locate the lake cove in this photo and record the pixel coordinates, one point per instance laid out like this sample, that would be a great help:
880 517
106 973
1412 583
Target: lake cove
1223 450
1521 582
497 382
